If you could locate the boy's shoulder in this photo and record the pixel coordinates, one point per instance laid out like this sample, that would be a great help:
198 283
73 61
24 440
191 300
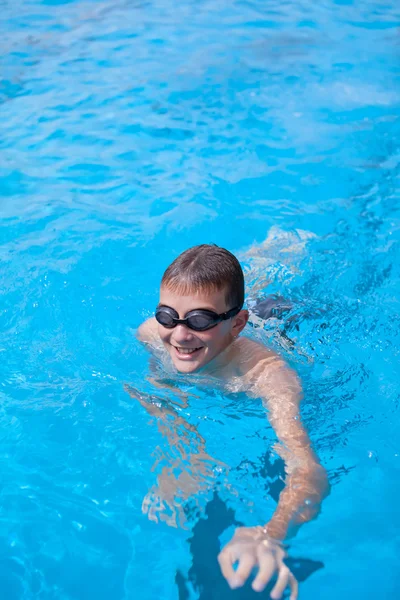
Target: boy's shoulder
251 354
147 331
264 371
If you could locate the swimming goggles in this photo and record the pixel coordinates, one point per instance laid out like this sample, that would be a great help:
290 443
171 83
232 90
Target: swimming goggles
198 320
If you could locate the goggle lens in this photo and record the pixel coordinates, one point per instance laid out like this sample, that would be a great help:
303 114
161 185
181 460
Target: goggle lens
165 318
201 322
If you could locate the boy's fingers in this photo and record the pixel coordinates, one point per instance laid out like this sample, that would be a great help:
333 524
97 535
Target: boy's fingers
265 572
235 578
225 563
246 564
281 584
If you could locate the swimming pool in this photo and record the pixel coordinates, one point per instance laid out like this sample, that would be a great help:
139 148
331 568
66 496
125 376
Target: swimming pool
130 131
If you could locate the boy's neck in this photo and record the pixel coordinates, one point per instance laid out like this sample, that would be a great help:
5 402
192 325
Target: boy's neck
220 361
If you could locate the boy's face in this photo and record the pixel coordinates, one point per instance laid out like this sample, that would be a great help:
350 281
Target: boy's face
191 350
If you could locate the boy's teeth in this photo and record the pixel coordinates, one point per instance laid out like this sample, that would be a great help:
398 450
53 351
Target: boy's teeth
186 350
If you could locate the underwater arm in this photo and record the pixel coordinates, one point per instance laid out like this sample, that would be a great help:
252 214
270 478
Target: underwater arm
186 469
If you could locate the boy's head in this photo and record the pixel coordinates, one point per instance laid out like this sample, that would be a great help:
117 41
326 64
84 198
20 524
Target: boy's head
206 278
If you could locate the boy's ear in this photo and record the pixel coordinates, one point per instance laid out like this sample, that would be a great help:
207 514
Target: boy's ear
239 322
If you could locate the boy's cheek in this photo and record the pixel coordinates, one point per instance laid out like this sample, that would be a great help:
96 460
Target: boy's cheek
164 336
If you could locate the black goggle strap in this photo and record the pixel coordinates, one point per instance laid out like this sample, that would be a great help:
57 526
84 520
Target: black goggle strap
230 313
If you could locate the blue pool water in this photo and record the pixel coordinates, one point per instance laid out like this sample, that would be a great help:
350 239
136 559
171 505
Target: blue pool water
130 131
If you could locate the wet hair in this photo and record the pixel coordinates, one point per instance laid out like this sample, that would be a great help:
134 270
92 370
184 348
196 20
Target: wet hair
207 268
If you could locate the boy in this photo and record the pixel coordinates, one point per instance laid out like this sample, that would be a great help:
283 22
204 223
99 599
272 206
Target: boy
198 322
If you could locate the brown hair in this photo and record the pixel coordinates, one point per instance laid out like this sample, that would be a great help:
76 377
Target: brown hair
207 267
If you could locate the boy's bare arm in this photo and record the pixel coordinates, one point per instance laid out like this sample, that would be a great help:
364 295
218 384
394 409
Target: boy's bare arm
306 483
187 468
267 376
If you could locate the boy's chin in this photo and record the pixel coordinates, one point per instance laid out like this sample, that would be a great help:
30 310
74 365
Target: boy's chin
186 367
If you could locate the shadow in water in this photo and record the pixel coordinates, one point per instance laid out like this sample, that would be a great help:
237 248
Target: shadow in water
204 575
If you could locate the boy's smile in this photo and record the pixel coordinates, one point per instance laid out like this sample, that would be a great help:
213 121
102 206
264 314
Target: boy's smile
191 350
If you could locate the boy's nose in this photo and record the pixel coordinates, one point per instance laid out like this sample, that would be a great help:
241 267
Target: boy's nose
182 333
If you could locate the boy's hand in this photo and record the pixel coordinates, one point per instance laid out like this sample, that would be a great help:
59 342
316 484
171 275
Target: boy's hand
250 547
